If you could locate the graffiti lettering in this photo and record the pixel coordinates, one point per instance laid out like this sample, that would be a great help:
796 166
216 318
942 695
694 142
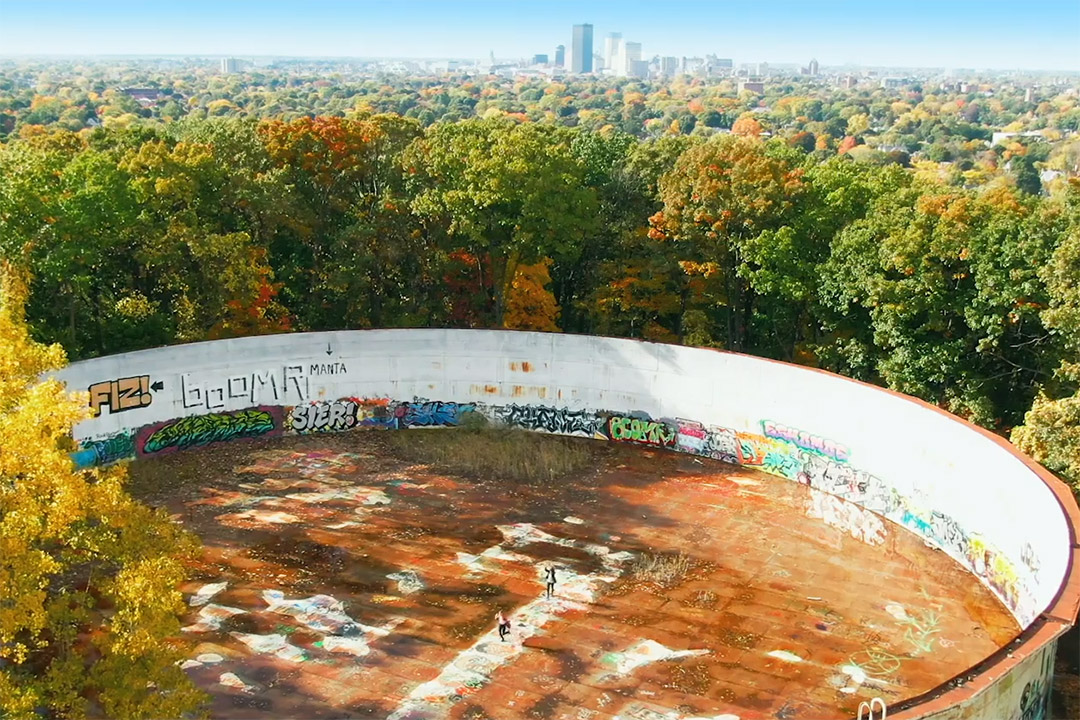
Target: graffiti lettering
549 419
646 432
805 440
122 394
332 416
254 387
205 429
337 368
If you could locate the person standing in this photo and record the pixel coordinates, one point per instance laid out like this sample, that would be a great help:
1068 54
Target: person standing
549 575
504 626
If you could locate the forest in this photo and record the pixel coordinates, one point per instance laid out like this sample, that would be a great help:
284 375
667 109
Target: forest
871 232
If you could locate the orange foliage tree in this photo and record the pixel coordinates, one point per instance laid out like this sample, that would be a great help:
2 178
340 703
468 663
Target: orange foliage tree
530 305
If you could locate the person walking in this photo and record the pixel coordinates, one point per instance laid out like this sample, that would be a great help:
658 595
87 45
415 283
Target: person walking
504 626
549 574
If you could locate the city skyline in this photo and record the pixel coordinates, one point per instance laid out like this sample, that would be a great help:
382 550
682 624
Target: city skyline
988 35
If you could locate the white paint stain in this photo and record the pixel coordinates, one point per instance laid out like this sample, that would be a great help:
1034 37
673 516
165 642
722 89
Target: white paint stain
408 581
203 594
785 656
231 680
211 617
897 611
275 645
645 652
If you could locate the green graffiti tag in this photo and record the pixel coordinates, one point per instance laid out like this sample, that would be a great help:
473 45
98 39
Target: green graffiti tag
205 429
646 432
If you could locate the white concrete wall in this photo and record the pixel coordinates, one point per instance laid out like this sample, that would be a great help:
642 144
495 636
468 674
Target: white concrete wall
915 460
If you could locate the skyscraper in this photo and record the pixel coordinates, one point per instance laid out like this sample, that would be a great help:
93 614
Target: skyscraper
581 49
611 51
814 66
560 55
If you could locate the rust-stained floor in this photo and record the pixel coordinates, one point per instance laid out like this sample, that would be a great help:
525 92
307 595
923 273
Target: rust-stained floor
338 581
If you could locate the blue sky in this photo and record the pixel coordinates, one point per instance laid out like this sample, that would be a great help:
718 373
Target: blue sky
1032 34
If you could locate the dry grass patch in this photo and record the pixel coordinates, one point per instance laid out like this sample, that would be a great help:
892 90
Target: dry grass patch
665 570
495 453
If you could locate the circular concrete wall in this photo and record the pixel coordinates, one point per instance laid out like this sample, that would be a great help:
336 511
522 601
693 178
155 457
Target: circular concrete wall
964 490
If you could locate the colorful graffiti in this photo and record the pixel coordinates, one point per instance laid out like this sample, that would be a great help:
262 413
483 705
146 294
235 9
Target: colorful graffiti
123 394
333 416
427 413
549 419
199 430
805 440
642 431
104 451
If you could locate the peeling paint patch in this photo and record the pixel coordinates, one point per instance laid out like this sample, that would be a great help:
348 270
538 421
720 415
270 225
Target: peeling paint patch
211 617
645 652
408 581
275 645
203 594
231 680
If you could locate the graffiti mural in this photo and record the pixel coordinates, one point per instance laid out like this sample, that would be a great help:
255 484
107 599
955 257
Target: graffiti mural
549 419
288 383
848 517
201 430
318 416
104 451
426 413
805 440
123 394
722 444
642 431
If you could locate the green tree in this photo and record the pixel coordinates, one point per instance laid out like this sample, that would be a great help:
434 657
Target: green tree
514 193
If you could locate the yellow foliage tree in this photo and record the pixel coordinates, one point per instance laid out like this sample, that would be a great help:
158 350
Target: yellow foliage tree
530 305
73 544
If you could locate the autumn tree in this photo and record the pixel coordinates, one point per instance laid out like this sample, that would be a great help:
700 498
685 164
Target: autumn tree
88 576
719 200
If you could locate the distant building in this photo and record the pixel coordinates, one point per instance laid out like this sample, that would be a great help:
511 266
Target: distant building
754 86
231 65
629 53
669 66
611 50
998 137
560 55
144 96
892 83
762 69
581 50
540 60
813 67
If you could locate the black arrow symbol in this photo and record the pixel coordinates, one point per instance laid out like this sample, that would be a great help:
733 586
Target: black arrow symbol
158 386
328 350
